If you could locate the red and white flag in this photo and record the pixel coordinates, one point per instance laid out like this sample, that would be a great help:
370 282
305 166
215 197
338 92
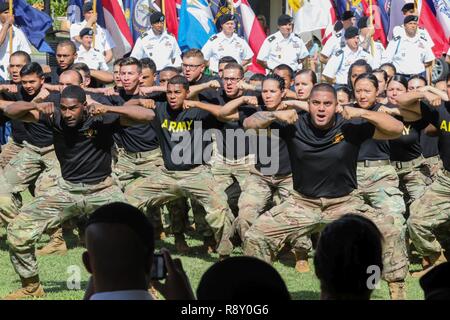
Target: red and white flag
117 26
254 33
428 21
328 31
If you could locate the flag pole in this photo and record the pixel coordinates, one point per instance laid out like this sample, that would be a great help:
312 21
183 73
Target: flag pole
163 11
94 27
11 29
372 44
230 4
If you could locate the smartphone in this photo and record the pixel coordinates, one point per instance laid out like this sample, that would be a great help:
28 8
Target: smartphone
159 270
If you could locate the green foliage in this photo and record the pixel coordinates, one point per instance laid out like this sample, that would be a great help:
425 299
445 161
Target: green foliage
58 8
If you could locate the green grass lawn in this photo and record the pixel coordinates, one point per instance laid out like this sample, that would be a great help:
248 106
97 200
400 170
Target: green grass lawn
54 272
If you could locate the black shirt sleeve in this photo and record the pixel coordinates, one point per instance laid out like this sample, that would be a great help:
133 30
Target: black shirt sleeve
358 131
429 114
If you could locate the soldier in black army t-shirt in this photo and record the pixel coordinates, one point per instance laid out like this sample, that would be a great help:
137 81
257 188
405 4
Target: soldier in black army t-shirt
323 148
83 139
186 146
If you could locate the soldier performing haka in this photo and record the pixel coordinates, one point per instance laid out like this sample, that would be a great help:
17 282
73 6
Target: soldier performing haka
83 138
323 147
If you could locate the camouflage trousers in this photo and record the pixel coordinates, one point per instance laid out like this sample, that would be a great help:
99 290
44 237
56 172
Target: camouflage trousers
197 183
299 216
413 179
9 151
379 187
132 166
32 165
433 165
430 216
71 200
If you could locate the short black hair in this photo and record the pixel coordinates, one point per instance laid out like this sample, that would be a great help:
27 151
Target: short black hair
130 61
125 214
418 76
67 43
227 59
257 77
235 66
179 79
31 68
79 76
117 62
324 87
22 54
383 72
311 74
286 68
81 66
170 69
277 78
149 64
368 76
74 92
344 88
400 79
390 65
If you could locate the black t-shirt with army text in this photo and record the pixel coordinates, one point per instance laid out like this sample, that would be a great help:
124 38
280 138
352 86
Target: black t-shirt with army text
84 151
324 161
407 146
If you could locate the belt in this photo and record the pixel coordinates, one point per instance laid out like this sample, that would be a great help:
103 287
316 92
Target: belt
373 163
138 155
408 164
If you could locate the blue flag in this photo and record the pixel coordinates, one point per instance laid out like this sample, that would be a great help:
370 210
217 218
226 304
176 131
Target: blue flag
196 24
75 11
33 23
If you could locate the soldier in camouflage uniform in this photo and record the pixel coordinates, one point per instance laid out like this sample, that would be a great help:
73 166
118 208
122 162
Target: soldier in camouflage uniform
86 183
323 147
183 140
430 213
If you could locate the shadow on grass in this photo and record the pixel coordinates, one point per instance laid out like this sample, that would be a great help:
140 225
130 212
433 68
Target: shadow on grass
195 251
305 295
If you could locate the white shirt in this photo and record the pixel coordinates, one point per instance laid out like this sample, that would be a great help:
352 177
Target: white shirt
122 295
339 64
277 50
335 43
220 45
20 43
377 55
400 31
162 49
409 54
103 39
94 58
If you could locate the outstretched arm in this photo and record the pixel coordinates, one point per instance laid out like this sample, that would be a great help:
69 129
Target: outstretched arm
129 115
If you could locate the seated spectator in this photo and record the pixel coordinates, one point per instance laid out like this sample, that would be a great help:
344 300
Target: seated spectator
347 248
242 278
120 249
436 283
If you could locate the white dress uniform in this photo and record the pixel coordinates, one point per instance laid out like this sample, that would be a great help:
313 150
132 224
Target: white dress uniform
278 50
339 64
162 49
378 54
334 44
409 54
219 45
93 58
400 31
20 43
103 39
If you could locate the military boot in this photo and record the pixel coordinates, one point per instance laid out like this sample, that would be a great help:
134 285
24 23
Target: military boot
301 261
209 244
428 263
397 290
57 245
31 288
180 243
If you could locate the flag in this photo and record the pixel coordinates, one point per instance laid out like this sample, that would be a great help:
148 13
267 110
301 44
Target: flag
312 15
328 30
396 15
110 16
33 23
377 22
442 12
252 31
74 11
383 7
219 8
137 13
428 21
196 24
170 11
353 5
295 4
